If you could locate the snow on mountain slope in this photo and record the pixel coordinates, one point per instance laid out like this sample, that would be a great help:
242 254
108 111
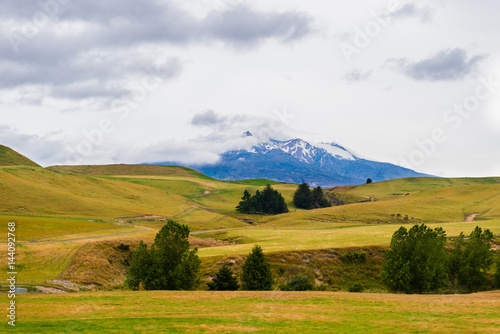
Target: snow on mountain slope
295 160
337 151
302 150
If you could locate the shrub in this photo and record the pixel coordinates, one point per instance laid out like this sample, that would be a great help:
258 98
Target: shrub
356 287
298 283
354 256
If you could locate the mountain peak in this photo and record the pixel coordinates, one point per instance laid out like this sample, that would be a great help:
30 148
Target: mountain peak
296 160
247 134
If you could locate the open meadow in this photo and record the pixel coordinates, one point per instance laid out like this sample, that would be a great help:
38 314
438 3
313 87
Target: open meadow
257 312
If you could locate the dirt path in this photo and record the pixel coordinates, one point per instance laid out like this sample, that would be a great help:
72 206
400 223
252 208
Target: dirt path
48 289
471 217
122 219
220 230
80 239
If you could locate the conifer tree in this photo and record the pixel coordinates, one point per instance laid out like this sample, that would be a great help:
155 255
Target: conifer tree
256 274
224 280
303 197
245 205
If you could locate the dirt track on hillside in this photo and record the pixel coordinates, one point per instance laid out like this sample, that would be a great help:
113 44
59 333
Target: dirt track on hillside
471 217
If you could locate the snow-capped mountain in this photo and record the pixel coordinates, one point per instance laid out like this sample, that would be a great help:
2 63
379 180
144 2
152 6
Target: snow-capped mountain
303 151
294 161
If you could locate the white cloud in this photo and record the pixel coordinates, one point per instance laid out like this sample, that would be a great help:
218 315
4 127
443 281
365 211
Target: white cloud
94 49
235 60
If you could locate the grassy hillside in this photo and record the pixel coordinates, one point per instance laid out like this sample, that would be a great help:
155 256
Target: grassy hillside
391 189
124 169
58 210
106 264
44 229
419 199
222 196
71 222
38 191
9 157
235 243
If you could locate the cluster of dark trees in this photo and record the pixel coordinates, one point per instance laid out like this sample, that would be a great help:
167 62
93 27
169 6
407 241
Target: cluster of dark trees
418 261
267 201
270 201
307 198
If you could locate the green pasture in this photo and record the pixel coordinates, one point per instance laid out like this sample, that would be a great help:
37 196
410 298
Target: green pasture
256 312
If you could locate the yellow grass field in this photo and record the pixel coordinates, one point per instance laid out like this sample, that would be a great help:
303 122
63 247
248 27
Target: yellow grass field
257 312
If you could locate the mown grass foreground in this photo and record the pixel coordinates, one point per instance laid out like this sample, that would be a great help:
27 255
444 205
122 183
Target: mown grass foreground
261 312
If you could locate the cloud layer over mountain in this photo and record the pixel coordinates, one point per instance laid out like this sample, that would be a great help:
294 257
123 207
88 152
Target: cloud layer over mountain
133 81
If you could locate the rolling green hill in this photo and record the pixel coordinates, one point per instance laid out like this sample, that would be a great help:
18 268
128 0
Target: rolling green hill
391 189
60 209
124 169
9 157
38 191
137 192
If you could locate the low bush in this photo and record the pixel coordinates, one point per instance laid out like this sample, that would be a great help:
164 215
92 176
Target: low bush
356 287
354 256
298 283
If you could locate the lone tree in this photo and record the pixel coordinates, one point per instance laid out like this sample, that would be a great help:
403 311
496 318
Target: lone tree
416 260
305 198
256 274
169 264
224 280
476 260
368 181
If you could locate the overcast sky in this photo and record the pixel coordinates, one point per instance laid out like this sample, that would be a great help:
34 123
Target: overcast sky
415 83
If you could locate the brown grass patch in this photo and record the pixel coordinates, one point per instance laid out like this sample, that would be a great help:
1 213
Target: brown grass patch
102 263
